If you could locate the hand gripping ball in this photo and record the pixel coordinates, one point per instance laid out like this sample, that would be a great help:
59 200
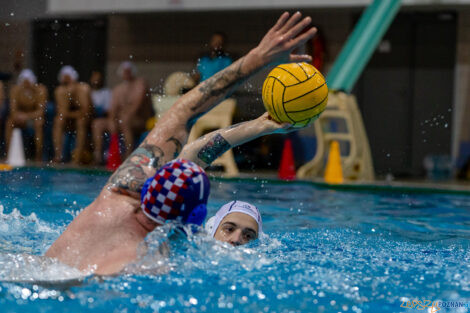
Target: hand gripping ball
295 93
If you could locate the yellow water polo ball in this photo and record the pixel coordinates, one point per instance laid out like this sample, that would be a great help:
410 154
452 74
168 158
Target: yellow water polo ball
295 93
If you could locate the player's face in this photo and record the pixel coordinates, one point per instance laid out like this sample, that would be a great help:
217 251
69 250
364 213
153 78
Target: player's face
237 229
217 42
26 83
66 79
96 79
127 73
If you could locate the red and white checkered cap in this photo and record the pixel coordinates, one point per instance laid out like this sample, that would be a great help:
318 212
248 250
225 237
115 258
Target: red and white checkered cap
175 190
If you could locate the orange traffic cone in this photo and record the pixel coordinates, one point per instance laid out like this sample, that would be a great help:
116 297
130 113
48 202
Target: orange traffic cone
334 170
114 157
287 167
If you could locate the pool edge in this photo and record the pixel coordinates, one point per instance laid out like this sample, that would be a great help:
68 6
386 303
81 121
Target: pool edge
379 186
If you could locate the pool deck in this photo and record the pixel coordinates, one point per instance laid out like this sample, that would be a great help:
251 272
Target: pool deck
398 185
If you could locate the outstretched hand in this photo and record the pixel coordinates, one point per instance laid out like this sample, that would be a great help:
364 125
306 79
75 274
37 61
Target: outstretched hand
273 127
285 36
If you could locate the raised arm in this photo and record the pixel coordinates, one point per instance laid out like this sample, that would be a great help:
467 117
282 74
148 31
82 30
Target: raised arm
206 149
276 47
171 132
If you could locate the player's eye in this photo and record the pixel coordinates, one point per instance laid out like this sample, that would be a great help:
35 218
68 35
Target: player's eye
249 236
228 229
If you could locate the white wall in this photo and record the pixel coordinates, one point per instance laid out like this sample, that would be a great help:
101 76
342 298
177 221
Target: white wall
162 43
121 6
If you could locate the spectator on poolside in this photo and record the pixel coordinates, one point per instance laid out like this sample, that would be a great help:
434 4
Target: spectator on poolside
101 101
27 107
215 60
72 112
131 106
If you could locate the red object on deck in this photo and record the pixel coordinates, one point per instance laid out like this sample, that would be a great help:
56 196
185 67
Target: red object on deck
114 156
287 167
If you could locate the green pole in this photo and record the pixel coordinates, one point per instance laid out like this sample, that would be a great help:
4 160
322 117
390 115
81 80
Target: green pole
360 45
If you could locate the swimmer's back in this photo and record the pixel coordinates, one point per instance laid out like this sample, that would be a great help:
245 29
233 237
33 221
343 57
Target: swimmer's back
105 234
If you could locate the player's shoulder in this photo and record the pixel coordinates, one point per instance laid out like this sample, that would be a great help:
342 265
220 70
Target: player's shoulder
82 86
120 86
204 57
41 87
141 80
15 88
226 55
59 89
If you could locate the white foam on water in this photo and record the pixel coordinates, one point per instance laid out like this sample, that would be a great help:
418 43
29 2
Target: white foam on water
15 222
26 235
169 249
35 268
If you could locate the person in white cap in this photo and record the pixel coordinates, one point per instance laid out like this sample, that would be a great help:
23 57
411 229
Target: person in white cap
106 236
73 110
27 106
236 222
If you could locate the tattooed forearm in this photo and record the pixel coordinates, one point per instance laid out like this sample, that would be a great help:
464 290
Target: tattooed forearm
221 83
131 175
178 145
213 149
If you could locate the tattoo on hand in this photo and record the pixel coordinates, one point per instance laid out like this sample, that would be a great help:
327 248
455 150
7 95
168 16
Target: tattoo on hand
213 149
219 84
178 145
131 175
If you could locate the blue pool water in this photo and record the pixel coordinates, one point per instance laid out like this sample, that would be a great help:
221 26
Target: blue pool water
324 251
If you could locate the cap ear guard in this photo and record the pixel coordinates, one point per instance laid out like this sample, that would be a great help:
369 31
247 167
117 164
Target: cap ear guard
197 215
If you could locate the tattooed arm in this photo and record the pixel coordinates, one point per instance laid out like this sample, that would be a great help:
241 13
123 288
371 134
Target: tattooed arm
276 47
206 149
171 132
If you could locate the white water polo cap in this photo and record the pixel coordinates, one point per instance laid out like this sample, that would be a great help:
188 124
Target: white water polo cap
28 75
235 206
69 71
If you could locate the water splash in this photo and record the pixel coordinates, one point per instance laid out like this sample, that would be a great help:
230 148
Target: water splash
25 233
335 251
